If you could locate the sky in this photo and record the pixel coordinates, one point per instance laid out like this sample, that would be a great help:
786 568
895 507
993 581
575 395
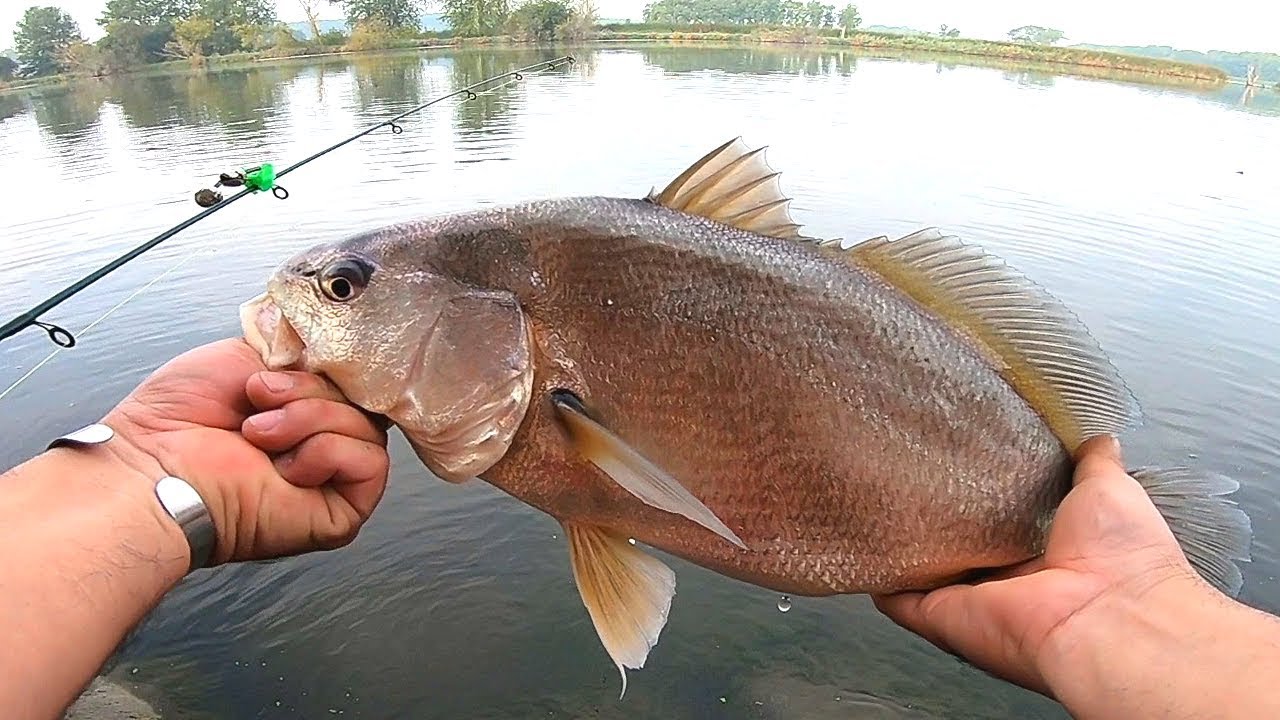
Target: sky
1237 25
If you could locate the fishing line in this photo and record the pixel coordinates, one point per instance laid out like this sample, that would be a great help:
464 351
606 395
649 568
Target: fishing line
185 259
253 180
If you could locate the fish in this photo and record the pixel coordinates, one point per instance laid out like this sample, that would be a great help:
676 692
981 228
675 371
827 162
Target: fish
688 372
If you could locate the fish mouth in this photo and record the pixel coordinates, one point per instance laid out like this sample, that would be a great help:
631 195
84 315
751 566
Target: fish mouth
270 333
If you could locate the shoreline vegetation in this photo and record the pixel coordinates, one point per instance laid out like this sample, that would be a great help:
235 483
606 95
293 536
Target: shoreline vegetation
983 53
145 35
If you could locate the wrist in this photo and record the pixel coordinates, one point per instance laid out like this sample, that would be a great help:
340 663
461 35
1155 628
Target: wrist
1119 656
120 480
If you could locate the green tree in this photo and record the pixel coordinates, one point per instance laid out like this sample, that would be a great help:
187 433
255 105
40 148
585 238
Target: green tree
849 19
130 43
581 24
948 32
145 12
192 36
396 14
538 19
8 67
1036 35
42 37
87 58
235 23
473 18
141 31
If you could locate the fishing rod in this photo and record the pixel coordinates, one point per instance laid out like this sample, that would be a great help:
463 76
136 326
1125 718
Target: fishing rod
258 179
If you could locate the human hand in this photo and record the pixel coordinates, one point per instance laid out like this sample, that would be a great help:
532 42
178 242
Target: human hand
283 462
1108 547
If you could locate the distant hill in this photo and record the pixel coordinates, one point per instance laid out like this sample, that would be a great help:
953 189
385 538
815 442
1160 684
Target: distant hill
1235 65
302 29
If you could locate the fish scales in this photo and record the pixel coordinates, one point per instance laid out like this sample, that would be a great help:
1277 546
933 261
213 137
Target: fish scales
778 383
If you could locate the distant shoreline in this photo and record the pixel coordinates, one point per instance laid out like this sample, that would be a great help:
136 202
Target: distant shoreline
1059 60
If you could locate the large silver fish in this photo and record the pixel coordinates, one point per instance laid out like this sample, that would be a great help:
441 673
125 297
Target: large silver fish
688 370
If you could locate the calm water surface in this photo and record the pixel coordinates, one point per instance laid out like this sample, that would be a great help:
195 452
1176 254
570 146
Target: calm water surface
1151 212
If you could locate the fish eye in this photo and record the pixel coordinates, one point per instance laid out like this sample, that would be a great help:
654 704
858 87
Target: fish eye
343 280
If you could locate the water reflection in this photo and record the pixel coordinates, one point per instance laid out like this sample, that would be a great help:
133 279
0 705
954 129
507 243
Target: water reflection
486 110
67 112
752 59
11 105
380 84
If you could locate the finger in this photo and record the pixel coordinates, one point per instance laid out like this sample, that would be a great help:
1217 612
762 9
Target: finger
271 390
1033 565
1098 456
968 621
356 470
278 430
908 610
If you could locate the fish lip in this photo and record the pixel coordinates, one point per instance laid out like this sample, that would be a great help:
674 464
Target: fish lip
269 332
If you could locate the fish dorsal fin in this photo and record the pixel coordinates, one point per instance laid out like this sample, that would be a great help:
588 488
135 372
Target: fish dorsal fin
733 185
627 593
1039 346
632 471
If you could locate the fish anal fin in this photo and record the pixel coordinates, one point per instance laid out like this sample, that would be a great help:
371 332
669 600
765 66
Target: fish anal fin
627 593
733 185
1039 346
632 471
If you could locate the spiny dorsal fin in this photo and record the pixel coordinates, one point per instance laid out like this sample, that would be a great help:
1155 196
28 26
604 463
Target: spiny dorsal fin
626 591
1039 346
733 185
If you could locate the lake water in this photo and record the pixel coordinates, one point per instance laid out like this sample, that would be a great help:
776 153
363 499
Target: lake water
1151 212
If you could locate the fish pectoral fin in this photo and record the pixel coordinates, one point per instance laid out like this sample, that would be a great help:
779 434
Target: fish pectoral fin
627 593
634 472
736 186
1036 344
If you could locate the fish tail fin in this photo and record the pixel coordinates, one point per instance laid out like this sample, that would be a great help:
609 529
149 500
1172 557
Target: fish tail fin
1215 534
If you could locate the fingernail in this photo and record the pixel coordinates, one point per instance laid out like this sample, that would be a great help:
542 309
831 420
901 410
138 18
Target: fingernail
277 382
267 420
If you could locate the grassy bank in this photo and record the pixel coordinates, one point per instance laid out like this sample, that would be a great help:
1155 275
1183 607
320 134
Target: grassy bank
1043 55
1062 60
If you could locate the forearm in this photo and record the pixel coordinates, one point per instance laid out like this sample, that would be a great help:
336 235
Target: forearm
85 552
1177 652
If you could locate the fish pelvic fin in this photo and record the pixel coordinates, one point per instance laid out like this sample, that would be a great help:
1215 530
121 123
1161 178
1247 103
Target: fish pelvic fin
627 593
1215 534
1036 344
736 186
634 472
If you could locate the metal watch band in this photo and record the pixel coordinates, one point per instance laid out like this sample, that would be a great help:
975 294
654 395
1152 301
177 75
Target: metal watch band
176 496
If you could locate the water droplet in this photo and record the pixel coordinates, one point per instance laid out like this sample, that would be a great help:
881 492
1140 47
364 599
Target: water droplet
264 663
608 302
723 700
277 703
631 540
280 678
1193 456
134 671
784 603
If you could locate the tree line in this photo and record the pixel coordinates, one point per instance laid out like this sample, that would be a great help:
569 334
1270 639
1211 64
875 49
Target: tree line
782 13
48 41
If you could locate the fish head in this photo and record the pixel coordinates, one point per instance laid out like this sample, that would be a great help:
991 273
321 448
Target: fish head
448 363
